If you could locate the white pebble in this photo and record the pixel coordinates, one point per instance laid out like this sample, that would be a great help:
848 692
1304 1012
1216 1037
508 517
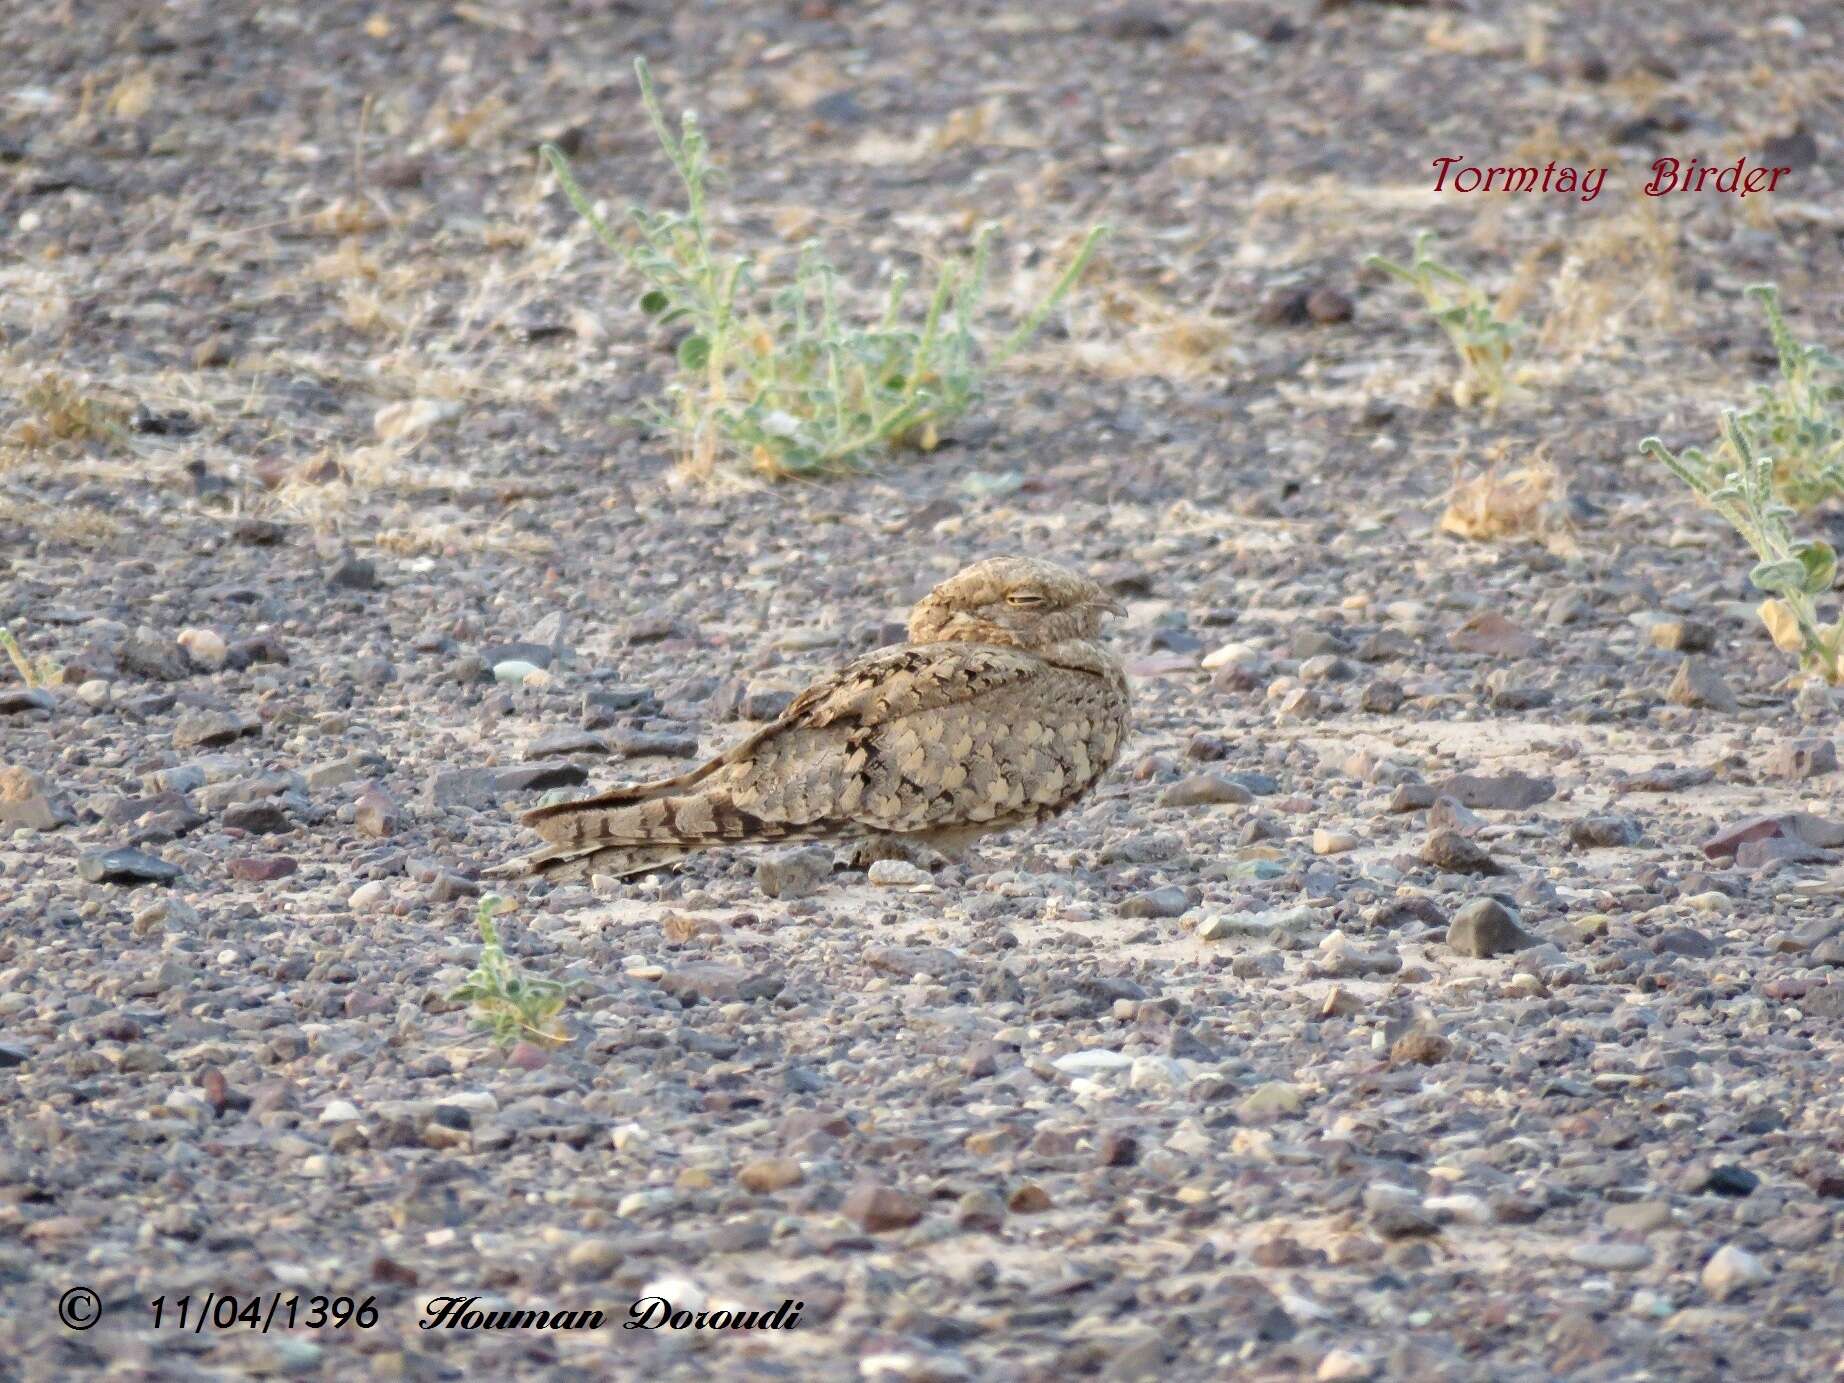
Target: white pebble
1190 1139
1156 1073
1228 653
188 1104
1732 1270
897 874
1092 1062
514 671
1266 1101
631 1136
1342 1366
637 1203
412 417
1649 1303
1460 1208
368 895
905 1366
205 647
1256 1144
682 1292
1611 1257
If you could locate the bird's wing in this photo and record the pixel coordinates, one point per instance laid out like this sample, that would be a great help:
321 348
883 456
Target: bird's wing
892 681
904 738
929 735
905 679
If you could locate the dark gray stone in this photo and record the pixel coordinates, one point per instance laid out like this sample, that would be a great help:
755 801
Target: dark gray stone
353 573
1169 901
562 742
17 700
1684 941
1206 790
463 787
1381 697
1485 928
793 873
1506 792
1802 759
126 866
1699 684
211 729
540 777
1603 832
1453 853
263 818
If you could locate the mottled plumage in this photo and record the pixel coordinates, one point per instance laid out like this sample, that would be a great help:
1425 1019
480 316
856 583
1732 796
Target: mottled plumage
1001 710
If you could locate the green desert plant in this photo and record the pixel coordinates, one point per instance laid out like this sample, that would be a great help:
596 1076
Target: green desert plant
1799 421
511 1006
1483 339
797 390
31 673
1792 574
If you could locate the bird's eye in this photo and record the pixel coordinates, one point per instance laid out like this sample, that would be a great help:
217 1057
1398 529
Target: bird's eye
1026 600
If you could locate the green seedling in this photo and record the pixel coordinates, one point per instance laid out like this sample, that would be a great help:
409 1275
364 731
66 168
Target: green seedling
511 1006
33 674
795 389
1792 574
1482 338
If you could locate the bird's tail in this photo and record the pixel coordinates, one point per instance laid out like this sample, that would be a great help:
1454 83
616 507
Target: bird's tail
572 864
630 830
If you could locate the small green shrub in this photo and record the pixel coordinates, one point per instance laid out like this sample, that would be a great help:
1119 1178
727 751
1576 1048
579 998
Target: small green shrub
507 1004
1799 421
1484 341
797 390
1792 574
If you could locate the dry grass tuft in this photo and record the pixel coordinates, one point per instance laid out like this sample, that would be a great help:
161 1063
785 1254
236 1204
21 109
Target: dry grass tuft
1122 330
424 536
58 409
1621 273
1526 503
87 530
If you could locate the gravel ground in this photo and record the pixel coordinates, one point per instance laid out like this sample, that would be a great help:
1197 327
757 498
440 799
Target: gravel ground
1445 985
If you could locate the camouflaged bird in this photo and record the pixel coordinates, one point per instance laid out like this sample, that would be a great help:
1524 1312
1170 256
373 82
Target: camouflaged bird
1001 710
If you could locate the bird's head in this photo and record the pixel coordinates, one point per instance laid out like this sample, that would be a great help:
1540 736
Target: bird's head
1019 602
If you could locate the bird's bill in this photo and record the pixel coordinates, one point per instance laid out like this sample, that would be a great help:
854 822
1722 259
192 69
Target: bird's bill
1108 606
